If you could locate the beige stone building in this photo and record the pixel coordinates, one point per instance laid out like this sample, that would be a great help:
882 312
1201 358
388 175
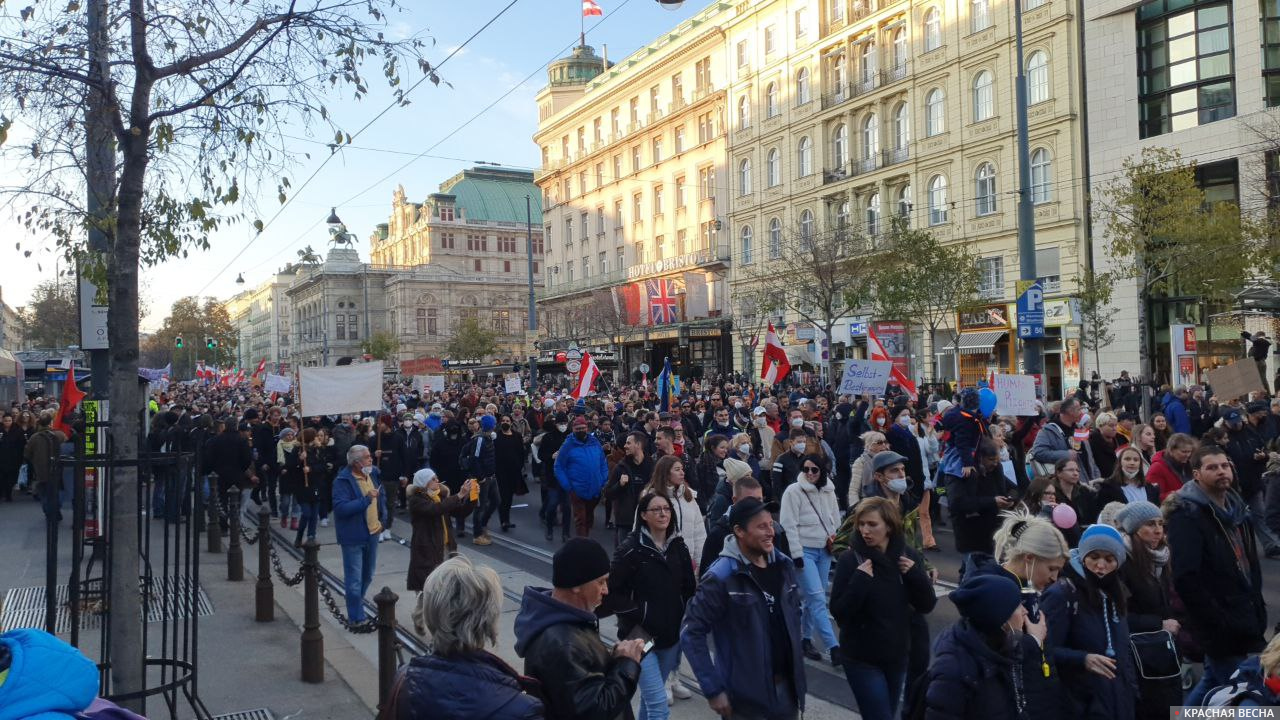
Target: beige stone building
635 196
261 318
851 111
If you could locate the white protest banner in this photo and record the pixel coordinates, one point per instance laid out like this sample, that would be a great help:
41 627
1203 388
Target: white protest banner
865 377
341 389
512 384
277 383
1016 395
423 383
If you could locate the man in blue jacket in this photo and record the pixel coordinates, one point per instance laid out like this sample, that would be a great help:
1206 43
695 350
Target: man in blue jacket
748 599
582 471
1175 411
359 511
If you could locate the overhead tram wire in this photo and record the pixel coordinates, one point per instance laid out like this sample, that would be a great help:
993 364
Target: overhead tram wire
395 103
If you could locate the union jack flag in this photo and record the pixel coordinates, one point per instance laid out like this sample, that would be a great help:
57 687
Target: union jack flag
663 308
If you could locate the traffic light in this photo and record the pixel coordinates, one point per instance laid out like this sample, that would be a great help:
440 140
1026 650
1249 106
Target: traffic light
177 342
211 343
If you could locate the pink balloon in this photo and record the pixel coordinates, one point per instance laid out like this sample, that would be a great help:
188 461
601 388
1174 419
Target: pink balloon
1064 516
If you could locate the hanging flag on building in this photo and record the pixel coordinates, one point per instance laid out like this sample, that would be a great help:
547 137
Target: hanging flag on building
590 8
587 377
626 303
775 366
262 365
664 309
668 386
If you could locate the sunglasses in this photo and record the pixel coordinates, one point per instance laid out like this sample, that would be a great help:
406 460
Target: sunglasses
812 470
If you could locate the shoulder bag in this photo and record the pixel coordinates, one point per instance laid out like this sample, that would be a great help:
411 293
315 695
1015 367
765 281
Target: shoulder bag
1156 655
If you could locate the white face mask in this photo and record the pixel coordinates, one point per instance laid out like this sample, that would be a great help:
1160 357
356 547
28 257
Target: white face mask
562 428
797 422
898 485
880 421
737 406
905 421
760 422
745 448
798 448
1129 474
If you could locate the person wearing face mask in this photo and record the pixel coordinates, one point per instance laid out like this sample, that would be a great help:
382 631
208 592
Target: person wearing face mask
902 440
810 516
709 469
581 471
1087 614
414 445
430 506
554 498
444 460
987 643
741 448
789 464
762 436
479 461
977 499
1127 483
509 457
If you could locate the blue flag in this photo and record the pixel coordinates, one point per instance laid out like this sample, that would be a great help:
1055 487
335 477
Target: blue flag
668 385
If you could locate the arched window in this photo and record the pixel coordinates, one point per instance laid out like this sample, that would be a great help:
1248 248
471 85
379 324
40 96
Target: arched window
932 30
804 157
937 200
904 202
870 137
746 244
744 177
899 56
806 226
935 113
840 146
771 106
869 64
901 127
984 189
744 112
873 214
842 215
802 87
1041 176
775 239
773 168
1037 78
983 96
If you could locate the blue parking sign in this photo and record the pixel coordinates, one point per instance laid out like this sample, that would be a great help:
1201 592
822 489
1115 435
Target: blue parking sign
1030 311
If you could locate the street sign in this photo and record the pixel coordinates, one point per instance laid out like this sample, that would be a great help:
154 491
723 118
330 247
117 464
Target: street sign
858 329
1030 309
573 366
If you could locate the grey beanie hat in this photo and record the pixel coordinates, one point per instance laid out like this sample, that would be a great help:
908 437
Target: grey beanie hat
1136 514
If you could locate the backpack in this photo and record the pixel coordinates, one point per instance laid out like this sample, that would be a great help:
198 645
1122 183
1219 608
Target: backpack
1232 696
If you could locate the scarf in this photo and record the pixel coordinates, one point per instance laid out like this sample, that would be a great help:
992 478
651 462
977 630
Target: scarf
365 480
1160 558
444 522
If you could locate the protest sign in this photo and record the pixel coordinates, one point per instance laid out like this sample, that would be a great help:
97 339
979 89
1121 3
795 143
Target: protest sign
865 377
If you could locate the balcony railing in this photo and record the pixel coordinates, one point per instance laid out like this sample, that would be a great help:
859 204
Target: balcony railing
893 74
866 84
836 174
836 97
896 155
866 165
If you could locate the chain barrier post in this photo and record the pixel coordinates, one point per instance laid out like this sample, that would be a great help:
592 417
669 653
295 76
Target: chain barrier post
264 593
235 555
388 662
312 638
214 526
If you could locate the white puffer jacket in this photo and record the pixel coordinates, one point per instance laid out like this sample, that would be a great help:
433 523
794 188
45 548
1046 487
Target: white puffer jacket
809 515
688 521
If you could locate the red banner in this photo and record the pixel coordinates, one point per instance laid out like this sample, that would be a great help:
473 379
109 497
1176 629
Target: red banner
421 366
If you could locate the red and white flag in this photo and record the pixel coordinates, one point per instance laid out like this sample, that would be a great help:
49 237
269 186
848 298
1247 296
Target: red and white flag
239 377
775 366
262 365
877 352
590 8
587 376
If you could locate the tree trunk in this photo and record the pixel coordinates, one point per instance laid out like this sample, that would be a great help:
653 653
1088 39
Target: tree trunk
126 652
1144 352
832 380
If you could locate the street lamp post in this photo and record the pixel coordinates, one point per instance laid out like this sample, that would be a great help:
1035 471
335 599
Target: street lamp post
533 307
1032 361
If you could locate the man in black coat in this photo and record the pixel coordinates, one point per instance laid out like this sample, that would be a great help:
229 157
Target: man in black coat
558 636
1215 569
230 457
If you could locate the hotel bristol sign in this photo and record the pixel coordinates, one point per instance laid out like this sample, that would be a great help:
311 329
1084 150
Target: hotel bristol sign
666 265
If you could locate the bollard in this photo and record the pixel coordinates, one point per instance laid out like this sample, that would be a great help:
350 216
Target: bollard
235 555
312 639
214 525
388 663
263 595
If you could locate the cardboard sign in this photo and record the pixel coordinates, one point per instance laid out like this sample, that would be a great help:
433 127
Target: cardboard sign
340 389
1016 395
1234 381
511 384
277 383
434 383
867 377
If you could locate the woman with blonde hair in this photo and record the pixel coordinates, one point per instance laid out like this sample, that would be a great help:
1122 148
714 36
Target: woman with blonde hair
1255 684
873 441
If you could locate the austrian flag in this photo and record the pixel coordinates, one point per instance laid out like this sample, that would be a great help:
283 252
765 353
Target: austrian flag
590 8
775 366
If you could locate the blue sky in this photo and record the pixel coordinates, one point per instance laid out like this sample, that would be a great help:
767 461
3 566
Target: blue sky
521 42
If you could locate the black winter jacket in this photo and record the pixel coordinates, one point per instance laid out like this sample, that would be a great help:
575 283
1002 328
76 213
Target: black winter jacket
973 507
968 680
650 587
874 611
473 685
626 497
562 650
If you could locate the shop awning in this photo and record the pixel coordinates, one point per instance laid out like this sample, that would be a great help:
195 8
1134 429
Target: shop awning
976 343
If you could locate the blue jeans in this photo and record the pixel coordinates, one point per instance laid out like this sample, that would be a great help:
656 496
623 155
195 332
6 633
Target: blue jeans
310 518
1217 671
816 621
876 690
288 508
358 563
557 497
654 669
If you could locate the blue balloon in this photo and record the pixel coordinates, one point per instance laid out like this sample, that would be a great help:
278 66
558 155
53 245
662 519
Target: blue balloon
986 401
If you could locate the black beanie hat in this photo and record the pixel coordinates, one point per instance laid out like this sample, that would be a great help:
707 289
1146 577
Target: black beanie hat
578 562
987 601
